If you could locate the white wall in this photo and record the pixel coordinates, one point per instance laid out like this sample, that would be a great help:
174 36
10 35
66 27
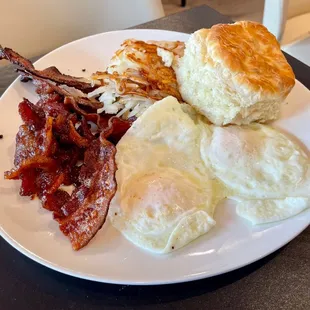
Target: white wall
33 27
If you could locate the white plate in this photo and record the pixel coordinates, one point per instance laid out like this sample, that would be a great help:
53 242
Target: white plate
233 243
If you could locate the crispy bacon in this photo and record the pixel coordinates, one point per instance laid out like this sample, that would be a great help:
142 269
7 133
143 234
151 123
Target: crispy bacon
73 104
35 162
116 129
77 198
28 186
63 141
55 201
65 130
51 73
78 97
26 144
75 137
52 105
32 149
52 80
31 114
48 181
106 122
44 163
98 176
31 143
85 129
47 139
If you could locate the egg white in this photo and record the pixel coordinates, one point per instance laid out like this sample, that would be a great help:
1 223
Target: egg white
271 210
174 168
165 197
256 161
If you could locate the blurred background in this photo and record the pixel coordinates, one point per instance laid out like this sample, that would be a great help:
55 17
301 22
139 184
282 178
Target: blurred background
36 27
236 9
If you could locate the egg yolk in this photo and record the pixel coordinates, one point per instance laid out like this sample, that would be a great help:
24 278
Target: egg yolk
156 200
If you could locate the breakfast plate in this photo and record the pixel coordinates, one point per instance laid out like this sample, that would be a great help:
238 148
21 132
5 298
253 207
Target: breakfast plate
109 257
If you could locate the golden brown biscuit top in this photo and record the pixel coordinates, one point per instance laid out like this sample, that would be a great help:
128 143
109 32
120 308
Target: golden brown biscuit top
252 54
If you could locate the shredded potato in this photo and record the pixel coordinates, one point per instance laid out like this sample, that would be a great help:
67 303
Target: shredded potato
136 78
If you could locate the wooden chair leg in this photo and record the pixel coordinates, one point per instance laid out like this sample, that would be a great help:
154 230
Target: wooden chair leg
183 3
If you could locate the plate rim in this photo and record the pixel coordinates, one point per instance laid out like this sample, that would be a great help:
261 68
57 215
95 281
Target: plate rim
83 276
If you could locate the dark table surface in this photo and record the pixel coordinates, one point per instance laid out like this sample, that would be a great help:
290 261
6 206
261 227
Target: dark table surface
279 281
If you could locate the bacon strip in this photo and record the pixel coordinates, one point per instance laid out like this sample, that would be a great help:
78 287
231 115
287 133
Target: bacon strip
66 92
55 201
31 114
52 79
91 214
116 129
51 73
57 146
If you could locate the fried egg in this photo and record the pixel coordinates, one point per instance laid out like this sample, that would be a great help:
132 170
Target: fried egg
271 210
174 168
256 162
165 197
264 171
